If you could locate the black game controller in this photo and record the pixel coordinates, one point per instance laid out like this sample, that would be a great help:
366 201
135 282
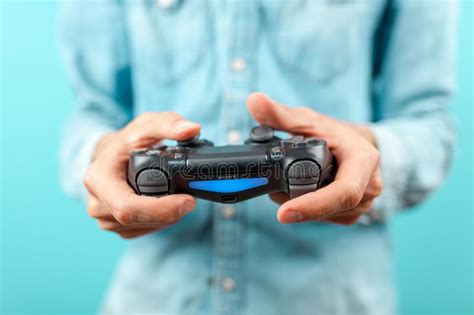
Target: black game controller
233 173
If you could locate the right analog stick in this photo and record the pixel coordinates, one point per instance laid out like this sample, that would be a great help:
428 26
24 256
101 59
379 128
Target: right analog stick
190 141
261 133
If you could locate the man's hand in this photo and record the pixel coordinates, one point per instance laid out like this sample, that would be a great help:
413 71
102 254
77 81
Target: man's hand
358 179
111 200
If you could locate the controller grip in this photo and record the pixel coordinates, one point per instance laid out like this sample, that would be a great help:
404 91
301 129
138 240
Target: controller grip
152 182
306 176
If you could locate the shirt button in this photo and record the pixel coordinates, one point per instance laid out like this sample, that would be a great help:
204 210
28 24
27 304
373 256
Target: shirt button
238 64
228 212
166 4
233 137
228 284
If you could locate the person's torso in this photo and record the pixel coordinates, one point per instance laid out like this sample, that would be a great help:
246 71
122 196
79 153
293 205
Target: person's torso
202 59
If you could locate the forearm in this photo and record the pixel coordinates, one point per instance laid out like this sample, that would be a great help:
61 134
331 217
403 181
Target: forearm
415 157
80 142
412 94
103 89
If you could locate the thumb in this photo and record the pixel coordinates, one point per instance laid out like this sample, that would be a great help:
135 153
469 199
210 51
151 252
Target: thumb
268 112
149 128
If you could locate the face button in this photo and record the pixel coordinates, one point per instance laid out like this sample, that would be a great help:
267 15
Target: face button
261 133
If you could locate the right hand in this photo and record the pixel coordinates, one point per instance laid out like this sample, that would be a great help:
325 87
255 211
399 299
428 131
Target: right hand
111 200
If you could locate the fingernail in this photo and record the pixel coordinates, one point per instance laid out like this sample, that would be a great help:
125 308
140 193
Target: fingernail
291 216
186 207
181 125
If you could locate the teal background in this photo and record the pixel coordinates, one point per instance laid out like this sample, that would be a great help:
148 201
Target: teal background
54 259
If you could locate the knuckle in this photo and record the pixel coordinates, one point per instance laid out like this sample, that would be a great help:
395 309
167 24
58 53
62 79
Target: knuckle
87 180
314 214
378 185
352 196
92 211
172 115
169 117
143 119
167 218
125 217
124 213
376 156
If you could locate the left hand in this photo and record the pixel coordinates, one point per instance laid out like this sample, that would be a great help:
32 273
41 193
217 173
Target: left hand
358 180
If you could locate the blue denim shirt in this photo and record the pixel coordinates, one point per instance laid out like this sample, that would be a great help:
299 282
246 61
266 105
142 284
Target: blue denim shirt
389 64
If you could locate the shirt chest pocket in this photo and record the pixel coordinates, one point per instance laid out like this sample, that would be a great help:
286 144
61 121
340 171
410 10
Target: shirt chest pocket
168 37
315 38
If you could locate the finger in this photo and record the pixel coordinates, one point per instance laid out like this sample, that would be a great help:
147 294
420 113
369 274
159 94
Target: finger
129 208
113 225
344 193
268 112
362 208
375 187
345 220
151 127
95 209
135 233
279 197
150 210
352 216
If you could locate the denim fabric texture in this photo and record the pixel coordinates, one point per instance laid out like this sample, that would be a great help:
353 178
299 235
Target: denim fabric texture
390 64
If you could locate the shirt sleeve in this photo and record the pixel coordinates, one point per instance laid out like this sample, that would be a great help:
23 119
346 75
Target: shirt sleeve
415 131
94 51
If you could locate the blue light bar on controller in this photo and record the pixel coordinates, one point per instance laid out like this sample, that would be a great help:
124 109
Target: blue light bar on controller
228 185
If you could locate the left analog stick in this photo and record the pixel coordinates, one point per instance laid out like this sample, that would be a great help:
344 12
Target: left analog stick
189 141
